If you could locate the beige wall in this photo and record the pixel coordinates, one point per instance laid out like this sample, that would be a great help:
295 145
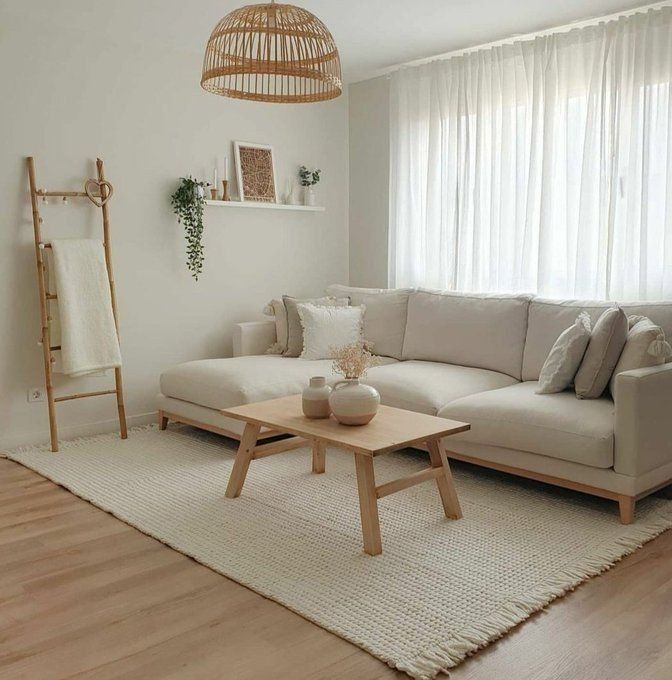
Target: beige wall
87 78
369 181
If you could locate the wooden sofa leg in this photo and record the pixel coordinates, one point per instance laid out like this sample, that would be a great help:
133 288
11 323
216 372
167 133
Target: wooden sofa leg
163 421
626 509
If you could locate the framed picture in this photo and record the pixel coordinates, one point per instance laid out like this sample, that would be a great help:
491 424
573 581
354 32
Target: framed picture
255 170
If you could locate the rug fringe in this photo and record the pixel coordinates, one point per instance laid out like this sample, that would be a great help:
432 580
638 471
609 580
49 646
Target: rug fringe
473 638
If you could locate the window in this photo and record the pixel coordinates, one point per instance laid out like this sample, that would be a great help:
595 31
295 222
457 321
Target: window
542 166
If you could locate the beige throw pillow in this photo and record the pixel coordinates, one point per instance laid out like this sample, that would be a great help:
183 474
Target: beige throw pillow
384 318
645 347
276 309
294 329
565 357
604 349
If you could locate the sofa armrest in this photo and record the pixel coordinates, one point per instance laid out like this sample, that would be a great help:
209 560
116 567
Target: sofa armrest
253 337
643 427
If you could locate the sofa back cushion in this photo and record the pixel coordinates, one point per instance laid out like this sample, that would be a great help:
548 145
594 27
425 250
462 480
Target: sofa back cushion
549 318
483 331
384 316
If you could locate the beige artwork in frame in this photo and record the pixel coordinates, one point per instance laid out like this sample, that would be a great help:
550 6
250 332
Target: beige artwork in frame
255 171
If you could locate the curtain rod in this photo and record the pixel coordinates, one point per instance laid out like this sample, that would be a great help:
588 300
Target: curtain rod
520 37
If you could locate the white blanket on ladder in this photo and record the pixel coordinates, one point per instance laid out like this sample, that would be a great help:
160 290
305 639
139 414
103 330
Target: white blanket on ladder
89 341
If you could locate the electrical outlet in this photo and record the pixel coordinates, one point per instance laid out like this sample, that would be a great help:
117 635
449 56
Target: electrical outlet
35 394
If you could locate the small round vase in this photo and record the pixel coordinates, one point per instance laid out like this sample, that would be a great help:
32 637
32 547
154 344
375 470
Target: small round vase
353 403
315 398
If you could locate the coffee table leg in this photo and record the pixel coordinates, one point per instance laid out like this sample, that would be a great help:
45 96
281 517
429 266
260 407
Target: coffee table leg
319 456
437 455
243 459
368 504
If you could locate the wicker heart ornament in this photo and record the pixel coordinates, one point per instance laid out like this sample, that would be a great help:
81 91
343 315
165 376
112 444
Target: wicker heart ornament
94 190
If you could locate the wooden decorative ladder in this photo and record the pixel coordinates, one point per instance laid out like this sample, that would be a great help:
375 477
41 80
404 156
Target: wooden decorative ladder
103 191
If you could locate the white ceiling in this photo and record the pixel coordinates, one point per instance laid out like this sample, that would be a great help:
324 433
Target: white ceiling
375 34
372 35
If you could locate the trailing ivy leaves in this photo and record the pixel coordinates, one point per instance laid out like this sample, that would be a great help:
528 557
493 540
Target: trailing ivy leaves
188 203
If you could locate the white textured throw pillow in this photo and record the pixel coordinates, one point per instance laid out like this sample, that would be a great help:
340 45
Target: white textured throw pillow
294 330
325 328
565 357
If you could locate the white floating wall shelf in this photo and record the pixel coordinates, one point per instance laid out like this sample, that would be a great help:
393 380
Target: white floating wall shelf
265 206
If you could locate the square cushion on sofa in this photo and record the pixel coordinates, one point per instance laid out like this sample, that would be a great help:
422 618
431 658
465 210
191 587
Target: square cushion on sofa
555 425
564 359
325 329
384 316
294 328
220 383
482 331
426 386
646 346
548 318
607 340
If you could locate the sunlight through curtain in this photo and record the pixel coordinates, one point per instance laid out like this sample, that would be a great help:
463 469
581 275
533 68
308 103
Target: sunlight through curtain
542 166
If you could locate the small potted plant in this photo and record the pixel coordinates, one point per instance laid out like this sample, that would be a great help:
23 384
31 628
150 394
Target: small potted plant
308 179
188 203
352 402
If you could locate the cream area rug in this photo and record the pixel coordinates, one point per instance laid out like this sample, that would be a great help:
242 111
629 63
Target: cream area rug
441 589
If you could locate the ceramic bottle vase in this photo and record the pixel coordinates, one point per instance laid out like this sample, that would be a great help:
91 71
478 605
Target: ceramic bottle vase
353 403
315 398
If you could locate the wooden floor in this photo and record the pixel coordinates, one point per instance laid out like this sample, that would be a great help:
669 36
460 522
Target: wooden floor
84 595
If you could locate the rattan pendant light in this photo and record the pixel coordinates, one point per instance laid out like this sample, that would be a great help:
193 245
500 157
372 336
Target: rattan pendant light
272 53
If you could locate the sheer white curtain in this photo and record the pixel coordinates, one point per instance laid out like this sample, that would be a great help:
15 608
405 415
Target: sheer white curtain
543 166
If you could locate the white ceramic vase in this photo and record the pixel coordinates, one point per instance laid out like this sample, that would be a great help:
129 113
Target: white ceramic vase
308 196
353 403
315 398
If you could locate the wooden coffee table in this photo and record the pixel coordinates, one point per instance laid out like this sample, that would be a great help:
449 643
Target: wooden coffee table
391 429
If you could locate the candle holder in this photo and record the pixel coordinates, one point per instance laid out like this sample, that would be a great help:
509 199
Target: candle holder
213 194
225 194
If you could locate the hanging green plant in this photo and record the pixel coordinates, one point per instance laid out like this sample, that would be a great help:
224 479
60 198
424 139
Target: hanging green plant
188 203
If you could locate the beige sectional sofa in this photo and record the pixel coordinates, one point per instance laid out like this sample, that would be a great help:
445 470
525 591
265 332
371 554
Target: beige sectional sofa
474 358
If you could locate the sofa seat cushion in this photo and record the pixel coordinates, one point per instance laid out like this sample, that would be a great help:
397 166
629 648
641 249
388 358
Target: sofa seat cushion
426 386
555 425
221 383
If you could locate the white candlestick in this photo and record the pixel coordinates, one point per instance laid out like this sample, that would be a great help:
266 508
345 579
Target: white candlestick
214 178
226 168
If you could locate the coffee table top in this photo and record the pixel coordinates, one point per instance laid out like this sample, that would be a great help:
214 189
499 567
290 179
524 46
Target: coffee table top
391 429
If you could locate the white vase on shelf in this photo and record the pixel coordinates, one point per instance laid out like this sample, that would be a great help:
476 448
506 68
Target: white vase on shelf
288 196
308 196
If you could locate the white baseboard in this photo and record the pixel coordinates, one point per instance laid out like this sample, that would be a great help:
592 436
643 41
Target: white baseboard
73 431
